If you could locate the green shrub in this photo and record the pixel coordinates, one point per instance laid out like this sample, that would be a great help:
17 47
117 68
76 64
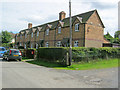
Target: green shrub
52 54
82 53
78 54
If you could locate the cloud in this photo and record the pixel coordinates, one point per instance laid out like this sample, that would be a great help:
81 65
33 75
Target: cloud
18 13
103 5
33 19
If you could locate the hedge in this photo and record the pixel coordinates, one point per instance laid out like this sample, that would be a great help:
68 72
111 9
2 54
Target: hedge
52 54
78 54
82 53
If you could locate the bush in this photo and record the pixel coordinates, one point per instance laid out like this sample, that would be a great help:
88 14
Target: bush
82 53
52 54
78 54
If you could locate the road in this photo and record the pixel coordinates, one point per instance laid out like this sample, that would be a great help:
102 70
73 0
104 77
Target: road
25 75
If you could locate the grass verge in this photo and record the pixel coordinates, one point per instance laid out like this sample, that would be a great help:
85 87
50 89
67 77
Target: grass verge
25 59
97 64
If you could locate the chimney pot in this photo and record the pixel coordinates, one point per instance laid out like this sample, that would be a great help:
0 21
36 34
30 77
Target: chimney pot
29 25
62 15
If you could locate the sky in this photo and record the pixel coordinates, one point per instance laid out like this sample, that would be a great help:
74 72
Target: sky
16 14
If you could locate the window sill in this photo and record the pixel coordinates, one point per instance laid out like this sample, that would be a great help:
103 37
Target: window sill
76 30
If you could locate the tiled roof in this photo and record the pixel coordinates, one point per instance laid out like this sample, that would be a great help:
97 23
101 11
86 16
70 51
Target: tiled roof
106 41
84 16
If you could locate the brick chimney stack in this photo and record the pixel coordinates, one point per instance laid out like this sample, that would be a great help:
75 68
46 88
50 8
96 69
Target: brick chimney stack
62 15
29 25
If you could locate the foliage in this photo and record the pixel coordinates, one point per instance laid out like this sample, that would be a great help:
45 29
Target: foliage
5 44
111 39
88 54
116 34
79 54
108 36
8 45
6 37
52 54
42 62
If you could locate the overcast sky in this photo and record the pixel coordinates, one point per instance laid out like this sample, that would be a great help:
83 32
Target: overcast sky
16 14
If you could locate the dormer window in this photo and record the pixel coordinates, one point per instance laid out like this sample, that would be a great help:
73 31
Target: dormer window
32 34
77 27
47 32
59 29
37 33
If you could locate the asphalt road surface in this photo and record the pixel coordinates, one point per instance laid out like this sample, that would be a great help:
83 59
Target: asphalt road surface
24 75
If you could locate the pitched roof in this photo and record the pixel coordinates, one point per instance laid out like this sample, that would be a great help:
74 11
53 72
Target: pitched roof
106 41
12 34
84 16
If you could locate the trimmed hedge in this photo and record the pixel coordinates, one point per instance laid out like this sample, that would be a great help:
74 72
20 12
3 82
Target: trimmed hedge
52 54
79 54
82 53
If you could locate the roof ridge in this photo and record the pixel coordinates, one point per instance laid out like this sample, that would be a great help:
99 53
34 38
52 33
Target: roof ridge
59 20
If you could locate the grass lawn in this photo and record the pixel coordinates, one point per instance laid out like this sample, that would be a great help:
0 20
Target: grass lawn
98 64
25 58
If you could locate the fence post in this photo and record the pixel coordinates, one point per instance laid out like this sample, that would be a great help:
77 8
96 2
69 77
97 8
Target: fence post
67 58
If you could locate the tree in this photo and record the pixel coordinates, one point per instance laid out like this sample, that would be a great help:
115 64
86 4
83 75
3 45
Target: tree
117 33
6 37
109 37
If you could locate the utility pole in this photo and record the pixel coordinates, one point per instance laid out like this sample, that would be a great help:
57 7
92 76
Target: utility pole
70 49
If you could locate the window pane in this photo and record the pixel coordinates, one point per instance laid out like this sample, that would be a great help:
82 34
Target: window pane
59 29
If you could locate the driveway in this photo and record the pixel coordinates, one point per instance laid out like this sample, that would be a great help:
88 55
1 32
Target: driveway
25 75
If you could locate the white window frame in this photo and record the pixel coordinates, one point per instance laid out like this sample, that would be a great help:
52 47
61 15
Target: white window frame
37 33
36 45
20 44
77 25
59 29
47 44
25 46
47 32
32 34
58 44
31 45
76 43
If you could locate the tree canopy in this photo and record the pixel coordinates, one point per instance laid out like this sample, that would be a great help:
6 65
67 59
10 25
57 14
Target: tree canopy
6 37
111 39
117 33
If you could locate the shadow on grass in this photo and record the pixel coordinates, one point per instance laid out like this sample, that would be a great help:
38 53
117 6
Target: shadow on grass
46 64
96 64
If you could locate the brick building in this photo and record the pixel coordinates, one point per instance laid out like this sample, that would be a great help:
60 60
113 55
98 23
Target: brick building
87 31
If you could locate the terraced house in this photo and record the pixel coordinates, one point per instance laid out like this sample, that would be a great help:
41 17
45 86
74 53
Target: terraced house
87 31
